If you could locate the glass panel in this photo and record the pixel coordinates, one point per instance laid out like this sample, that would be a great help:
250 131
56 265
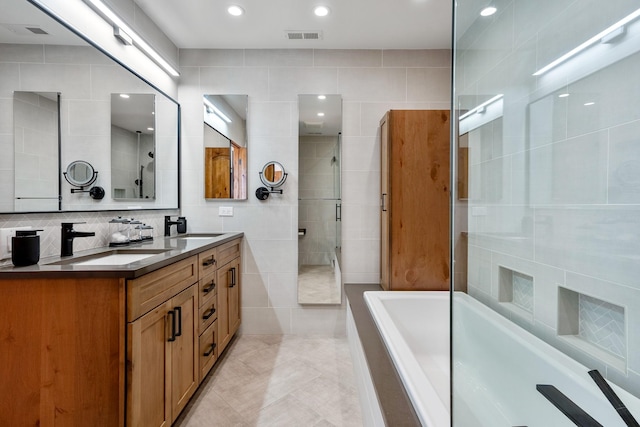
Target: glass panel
546 211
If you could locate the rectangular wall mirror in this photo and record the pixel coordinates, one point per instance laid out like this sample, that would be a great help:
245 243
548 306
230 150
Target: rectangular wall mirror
319 205
225 146
133 146
41 57
36 153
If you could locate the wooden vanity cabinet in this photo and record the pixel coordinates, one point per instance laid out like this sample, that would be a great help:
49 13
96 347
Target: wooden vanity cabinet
414 200
162 345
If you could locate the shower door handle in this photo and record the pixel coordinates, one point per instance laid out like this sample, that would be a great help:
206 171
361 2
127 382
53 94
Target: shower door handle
382 202
338 212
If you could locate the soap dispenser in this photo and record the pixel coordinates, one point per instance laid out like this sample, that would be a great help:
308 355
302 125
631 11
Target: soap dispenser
25 248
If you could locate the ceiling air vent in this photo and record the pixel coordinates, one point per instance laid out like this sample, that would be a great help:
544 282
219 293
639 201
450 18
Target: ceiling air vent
24 29
313 126
303 35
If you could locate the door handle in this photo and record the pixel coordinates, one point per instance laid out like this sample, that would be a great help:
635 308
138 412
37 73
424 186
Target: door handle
173 326
233 277
208 314
384 207
338 212
209 287
179 316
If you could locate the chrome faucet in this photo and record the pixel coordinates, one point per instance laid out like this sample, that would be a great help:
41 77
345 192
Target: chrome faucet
181 223
68 234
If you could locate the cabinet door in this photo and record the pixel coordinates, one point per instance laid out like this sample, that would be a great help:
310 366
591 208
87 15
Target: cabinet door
148 364
385 203
224 335
233 297
184 356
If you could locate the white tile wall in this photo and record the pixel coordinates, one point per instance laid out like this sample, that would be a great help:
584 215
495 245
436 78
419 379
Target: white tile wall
370 82
558 193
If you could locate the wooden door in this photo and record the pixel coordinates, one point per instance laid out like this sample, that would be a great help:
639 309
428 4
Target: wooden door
184 350
419 199
148 365
233 297
217 171
384 203
224 334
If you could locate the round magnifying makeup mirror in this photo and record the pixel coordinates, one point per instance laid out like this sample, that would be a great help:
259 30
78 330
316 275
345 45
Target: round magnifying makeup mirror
273 176
80 173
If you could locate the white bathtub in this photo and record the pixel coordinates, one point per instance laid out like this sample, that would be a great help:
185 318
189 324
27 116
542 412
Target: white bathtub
497 365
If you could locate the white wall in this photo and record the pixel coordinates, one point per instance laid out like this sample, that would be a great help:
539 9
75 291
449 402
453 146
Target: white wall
370 82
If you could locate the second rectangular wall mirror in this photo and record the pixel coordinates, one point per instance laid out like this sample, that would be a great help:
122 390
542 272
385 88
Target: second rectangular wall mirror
320 204
225 146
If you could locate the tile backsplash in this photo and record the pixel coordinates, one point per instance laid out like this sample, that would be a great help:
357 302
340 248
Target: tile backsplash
93 221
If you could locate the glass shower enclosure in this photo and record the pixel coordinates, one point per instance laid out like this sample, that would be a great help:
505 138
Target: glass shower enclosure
546 204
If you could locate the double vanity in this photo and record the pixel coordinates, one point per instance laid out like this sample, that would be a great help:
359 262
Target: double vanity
116 336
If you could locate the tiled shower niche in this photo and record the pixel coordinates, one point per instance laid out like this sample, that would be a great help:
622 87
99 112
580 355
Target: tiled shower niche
516 291
593 325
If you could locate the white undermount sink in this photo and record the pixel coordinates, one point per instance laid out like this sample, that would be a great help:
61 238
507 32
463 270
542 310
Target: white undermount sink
115 259
112 257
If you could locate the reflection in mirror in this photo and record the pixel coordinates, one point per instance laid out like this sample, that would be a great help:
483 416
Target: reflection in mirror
319 208
86 78
225 146
273 174
36 153
133 146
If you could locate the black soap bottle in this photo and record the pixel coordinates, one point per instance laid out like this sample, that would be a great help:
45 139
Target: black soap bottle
25 248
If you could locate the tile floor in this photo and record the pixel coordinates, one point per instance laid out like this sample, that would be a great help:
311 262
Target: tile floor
317 284
278 380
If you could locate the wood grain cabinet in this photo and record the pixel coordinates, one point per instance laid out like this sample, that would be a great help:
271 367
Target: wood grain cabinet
414 200
162 358
79 349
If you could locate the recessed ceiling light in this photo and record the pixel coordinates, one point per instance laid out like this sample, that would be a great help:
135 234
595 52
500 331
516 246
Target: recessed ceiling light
321 11
322 97
124 95
488 11
235 10
320 114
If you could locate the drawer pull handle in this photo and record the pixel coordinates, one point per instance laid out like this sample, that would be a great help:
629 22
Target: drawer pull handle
209 262
179 316
233 277
173 326
208 314
210 287
210 351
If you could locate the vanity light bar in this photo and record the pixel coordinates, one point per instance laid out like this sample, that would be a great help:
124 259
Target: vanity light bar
216 111
139 42
480 108
624 21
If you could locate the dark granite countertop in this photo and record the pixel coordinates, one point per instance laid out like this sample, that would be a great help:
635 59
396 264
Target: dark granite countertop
166 251
397 409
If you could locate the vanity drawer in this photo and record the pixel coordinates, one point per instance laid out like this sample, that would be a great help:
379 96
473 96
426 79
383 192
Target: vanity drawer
207 289
207 349
207 314
228 251
207 261
147 292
